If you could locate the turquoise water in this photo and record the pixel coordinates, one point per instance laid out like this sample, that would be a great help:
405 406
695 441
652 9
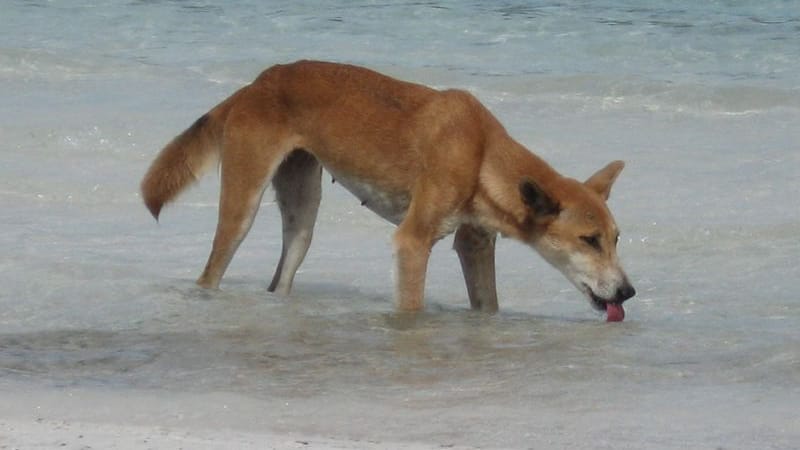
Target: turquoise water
714 41
702 99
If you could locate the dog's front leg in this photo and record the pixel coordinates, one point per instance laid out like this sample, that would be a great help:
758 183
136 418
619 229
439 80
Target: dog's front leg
475 248
412 248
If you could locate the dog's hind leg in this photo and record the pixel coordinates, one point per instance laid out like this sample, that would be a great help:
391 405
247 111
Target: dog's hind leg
298 191
475 248
247 166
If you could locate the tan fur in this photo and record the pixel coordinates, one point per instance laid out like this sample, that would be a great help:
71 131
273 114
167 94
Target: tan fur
432 162
181 162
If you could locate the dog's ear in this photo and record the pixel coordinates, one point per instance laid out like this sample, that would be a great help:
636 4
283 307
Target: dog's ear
537 200
602 180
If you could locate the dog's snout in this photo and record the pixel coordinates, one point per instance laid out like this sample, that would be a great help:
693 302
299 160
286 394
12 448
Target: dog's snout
625 292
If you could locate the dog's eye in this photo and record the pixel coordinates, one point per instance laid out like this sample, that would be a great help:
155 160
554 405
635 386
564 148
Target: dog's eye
593 241
616 240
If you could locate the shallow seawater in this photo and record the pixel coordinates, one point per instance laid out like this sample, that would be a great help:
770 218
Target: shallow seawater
701 102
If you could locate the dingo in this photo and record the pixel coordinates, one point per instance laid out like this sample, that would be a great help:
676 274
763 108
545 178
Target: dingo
431 162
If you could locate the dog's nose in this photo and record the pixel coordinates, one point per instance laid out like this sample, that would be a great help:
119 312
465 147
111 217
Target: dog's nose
625 292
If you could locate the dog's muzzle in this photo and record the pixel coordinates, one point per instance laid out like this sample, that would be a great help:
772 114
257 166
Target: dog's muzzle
624 292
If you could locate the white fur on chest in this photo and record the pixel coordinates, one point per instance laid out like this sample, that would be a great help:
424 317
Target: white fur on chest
391 206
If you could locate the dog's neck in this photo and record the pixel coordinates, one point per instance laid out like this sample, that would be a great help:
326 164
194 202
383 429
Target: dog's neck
498 199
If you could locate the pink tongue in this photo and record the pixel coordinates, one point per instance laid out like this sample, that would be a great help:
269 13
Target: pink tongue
615 312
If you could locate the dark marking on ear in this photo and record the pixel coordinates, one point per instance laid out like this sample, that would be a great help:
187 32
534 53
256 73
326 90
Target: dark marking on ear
537 200
363 202
198 124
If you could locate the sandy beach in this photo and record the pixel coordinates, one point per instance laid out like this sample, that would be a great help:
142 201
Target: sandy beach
87 436
83 420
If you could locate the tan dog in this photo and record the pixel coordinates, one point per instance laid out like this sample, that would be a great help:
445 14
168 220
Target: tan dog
431 162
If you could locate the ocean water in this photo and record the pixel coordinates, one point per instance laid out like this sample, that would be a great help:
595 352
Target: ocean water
701 99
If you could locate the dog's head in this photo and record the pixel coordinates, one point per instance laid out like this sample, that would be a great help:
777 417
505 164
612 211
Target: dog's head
572 228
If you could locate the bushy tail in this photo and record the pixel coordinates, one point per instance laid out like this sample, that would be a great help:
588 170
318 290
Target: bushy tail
180 163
